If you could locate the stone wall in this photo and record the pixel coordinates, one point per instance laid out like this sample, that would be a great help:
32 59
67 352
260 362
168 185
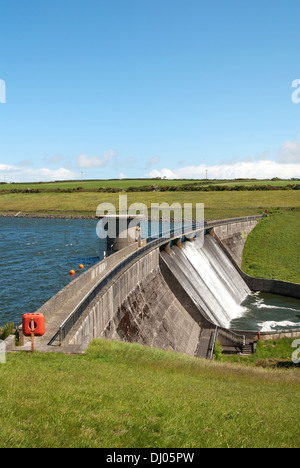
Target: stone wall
139 307
234 237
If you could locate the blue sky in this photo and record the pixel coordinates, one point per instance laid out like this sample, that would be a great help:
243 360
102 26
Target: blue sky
139 88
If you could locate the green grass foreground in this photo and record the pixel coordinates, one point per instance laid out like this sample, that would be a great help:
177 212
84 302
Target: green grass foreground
269 354
272 249
120 395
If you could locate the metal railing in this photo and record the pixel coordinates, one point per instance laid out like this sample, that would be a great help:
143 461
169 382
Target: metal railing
213 340
73 318
238 339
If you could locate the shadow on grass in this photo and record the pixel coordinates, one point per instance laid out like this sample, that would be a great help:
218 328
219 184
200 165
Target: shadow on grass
276 364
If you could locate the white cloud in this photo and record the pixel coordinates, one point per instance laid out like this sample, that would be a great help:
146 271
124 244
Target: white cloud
24 174
84 161
252 169
168 173
286 165
6 167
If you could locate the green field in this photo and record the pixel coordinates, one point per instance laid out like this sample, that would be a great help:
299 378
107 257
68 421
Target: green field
84 196
149 184
121 395
217 204
272 250
122 184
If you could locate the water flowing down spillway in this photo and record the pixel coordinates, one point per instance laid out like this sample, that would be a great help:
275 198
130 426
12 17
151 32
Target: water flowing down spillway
210 279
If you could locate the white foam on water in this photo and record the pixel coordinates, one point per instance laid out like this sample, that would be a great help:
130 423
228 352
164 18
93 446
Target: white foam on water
262 305
271 325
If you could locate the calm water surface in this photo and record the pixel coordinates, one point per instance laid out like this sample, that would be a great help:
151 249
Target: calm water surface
36 256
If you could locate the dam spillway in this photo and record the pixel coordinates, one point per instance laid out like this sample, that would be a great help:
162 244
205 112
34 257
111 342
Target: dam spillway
209 278
173 302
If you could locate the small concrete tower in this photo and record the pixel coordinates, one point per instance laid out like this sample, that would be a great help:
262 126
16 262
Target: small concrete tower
119 231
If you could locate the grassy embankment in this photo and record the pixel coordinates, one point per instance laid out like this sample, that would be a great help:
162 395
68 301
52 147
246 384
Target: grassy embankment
121 395
272 250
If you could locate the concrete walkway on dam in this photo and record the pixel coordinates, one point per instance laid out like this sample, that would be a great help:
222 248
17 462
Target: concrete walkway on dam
129 296
68 299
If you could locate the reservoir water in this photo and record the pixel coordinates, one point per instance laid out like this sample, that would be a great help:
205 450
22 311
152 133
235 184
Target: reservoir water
36 256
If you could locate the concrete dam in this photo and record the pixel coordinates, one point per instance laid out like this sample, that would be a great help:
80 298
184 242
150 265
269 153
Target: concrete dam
174 294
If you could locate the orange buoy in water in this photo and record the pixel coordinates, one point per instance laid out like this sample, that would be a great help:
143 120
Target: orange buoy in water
72 272
81 266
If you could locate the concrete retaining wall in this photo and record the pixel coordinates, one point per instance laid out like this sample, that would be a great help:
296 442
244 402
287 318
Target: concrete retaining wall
260 284
139 307
234 237
276 335
272 286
